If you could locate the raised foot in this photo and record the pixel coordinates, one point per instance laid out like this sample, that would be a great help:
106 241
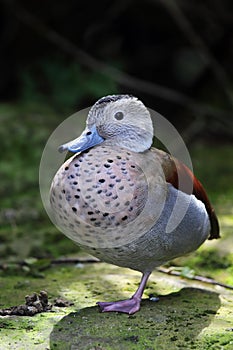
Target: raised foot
129 306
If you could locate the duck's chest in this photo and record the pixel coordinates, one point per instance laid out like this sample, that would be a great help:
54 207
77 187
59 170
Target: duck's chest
100 195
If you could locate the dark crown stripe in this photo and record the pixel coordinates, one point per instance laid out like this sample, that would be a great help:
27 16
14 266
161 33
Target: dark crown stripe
112 98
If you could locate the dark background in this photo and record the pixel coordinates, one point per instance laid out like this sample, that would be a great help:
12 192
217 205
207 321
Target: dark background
174 55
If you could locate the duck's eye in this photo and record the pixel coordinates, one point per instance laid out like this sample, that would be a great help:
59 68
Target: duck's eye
119 115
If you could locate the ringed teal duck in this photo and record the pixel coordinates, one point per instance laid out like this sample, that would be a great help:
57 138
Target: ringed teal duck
125 202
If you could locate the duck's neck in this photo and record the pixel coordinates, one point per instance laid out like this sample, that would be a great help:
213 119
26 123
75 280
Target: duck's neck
133 141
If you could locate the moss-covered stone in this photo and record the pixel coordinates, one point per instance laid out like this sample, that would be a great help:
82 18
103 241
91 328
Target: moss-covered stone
188 315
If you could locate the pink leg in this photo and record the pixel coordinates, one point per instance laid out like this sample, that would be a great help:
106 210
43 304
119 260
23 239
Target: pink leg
129 306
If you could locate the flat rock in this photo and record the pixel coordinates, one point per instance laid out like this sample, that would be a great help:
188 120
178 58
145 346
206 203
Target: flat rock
188 315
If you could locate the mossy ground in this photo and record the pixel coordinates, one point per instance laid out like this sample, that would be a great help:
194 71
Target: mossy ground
189 314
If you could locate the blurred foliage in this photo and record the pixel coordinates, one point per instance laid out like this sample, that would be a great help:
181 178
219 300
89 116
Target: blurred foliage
211 259
53 53
213 165
62 85
24 224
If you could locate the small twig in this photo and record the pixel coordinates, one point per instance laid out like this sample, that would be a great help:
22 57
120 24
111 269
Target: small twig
60 261
74 261
171 271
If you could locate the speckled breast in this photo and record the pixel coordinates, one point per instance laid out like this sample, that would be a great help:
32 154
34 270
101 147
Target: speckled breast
99 197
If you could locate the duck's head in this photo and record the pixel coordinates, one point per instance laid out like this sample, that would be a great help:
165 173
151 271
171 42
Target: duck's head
117 120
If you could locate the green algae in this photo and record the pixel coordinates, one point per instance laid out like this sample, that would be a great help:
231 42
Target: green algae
188 315
163 325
